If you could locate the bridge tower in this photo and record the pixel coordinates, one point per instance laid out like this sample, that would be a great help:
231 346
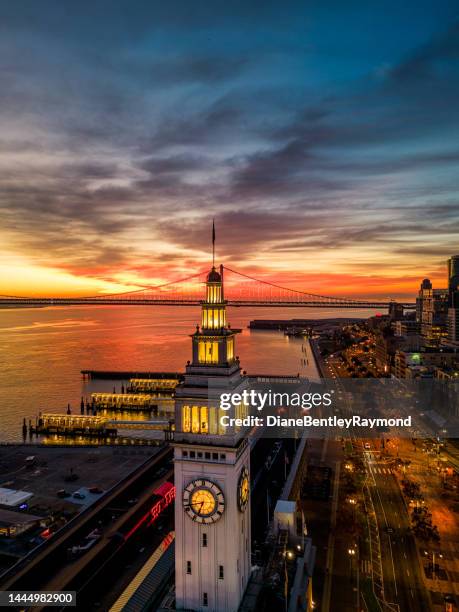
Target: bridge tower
212 469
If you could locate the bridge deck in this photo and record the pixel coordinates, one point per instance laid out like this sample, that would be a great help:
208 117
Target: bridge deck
338 303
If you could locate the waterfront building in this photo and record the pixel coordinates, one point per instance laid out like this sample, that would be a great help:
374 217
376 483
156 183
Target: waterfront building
152 385
122 401
212 469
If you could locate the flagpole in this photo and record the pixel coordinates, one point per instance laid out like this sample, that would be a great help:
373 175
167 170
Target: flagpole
213 243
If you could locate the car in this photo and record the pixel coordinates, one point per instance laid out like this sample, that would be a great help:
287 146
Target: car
30 461
78 495
367 446
95 490
63 493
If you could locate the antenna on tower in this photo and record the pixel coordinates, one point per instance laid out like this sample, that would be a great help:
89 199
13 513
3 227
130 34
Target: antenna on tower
213 243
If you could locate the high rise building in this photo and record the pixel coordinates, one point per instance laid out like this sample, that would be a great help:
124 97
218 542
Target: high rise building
424 307
440 315
453 317
431 312
212 469
453 299
453 275
395 311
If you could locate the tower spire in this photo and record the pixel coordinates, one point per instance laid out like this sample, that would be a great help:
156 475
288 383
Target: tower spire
213 243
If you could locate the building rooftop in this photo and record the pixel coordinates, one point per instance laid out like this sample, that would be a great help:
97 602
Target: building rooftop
11 497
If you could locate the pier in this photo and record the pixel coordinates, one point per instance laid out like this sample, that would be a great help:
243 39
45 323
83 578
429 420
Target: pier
142 402
152 385
127 375
74 425
93 426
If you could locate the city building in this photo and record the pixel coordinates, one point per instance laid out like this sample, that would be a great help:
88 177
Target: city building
426 361
423 302
377 322
395 311
212 469
453 275
438 329
386 346
13 523
407 327
453 300
453 325
431 312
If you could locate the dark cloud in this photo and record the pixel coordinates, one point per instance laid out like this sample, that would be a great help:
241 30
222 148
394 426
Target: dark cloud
131 125
429 61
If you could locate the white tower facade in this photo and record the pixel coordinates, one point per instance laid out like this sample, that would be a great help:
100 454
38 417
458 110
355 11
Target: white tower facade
212 470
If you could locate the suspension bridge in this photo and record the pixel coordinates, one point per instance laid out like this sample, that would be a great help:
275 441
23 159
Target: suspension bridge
240 290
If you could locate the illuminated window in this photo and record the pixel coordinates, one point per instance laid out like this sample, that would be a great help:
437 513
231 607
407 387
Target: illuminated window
221 428
214 294
213 318
230 349
241 410
213 424
204 420
198 422
208 351
186 418
195 421
202 351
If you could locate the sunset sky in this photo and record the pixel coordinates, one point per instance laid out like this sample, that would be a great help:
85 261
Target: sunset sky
322 136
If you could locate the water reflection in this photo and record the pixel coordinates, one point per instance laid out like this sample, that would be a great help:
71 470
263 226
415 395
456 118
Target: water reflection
43 350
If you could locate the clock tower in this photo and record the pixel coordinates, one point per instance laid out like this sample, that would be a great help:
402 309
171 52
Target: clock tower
212 469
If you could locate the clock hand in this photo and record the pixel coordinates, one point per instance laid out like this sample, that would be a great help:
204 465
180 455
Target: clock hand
200 505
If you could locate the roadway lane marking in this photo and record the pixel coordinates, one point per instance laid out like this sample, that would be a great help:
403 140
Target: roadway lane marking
390 545
331 542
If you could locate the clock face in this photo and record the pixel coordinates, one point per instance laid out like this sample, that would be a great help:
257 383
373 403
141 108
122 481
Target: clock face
243 489
203 501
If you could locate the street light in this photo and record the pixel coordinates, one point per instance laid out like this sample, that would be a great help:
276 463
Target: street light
426 552
351 552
